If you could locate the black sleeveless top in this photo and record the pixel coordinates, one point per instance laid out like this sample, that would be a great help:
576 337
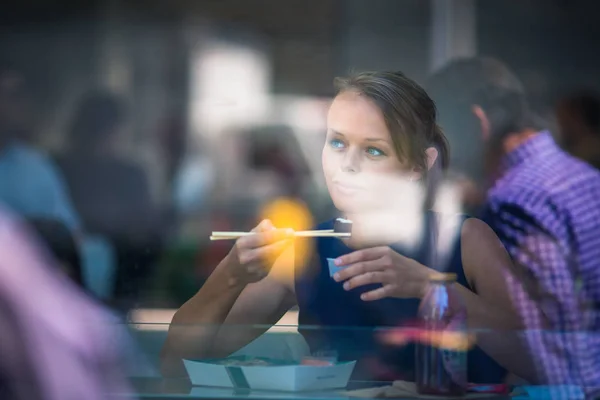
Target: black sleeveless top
333 319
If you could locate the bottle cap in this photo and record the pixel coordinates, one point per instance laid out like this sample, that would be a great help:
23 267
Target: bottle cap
442 277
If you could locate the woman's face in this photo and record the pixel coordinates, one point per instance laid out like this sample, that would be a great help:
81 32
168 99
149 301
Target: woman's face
358 155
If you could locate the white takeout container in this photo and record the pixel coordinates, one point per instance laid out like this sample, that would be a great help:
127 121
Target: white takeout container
287 378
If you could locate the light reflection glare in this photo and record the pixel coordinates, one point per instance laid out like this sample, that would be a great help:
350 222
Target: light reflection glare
442 339
390 211
448 206
230 84
290 213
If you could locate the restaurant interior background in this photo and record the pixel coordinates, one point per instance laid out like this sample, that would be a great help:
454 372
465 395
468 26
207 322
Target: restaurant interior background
226 99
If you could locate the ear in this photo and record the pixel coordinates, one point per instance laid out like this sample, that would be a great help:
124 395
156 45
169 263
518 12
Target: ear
484 122
432 156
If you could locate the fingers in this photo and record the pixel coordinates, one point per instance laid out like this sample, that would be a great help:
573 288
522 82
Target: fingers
257 263
255 254
392 288
265 253
361 255
366 279
378 294
264 238
399 276
264 225
357 269
257 272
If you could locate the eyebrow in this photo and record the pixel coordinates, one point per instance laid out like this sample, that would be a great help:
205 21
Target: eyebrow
367 139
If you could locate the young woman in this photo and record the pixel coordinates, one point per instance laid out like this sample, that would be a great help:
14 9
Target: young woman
381 129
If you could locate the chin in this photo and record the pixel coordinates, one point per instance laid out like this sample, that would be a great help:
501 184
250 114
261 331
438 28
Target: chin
345 205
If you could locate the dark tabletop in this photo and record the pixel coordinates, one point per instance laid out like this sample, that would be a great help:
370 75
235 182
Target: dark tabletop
167 389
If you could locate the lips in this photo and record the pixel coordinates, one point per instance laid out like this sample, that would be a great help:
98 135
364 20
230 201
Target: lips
346 188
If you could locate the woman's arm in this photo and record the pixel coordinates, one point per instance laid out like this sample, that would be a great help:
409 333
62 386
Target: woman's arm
488 269
214 323
221 318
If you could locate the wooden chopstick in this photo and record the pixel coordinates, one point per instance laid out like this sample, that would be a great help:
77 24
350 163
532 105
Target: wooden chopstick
240 234
317 233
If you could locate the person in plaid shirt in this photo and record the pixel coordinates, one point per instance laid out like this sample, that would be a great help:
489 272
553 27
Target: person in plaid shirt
545 207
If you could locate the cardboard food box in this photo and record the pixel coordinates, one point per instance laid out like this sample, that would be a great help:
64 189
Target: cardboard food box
266 374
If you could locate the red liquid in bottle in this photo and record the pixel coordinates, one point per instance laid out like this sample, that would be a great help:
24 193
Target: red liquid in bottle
441 354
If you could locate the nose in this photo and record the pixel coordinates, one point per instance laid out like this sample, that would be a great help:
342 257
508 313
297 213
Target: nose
351 162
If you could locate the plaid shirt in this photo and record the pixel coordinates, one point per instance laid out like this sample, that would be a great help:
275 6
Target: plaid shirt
546 210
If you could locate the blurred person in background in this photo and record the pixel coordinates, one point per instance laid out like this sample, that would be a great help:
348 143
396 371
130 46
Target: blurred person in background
55 343
30 184
277 150
110 193
545 207
578 118
64 254
172 136
63 246
190 171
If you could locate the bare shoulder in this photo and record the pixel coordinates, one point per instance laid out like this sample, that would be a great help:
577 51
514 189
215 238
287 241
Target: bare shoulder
481 249
476 231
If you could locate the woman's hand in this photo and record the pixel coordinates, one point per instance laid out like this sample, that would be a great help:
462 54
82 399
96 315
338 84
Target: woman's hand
252 257
399 276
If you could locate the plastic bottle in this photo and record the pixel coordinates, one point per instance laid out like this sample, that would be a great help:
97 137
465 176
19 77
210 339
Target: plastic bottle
441 350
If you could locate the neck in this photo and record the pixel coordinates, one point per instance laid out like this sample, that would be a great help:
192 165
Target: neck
497 150
373 229
515 140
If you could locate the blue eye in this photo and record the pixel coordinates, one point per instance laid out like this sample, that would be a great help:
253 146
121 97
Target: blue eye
336 143
375 152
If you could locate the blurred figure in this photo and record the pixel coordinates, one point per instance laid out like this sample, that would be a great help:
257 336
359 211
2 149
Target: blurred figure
30 185
578 117
191 176
172 139
62 245
545 207
63 250
55 343
111 194
276 149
